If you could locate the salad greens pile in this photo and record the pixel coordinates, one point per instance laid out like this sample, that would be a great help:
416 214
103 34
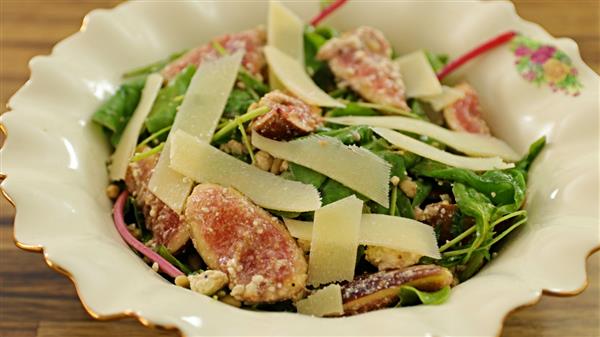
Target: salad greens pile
489 204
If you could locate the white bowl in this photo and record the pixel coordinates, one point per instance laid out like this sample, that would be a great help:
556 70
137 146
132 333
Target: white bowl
54 160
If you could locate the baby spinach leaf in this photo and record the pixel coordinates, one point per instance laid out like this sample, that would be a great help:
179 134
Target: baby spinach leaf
168 100
114 114
412 296
332 191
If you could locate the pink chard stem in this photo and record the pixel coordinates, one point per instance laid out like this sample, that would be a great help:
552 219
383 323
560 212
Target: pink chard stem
486 46
119 219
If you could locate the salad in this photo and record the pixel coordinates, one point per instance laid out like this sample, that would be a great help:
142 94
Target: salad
296 168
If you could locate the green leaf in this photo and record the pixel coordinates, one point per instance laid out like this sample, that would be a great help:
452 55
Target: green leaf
114 114
411 296
534 151
477 205
252 83
164 252
352 109
314 39
499 185
423 190
134 215
437 61
332 191
394 159
305 175
356 134
238 103
168 100
404 206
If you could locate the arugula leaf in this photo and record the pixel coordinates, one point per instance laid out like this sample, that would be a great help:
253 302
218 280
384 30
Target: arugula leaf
356 134
332 191
164 252
114 114
397 162
153 67
305 175
477 205
404 206
499 185
423 190
534 151
411 296
168 100
238 103
352 109
314 39
252 83
437 61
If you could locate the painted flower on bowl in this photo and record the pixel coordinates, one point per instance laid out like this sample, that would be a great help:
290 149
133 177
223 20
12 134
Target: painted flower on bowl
545 64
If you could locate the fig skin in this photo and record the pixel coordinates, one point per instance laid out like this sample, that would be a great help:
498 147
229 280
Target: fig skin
380 290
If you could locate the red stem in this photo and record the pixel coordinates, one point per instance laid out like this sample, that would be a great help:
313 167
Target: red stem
119 219
491 44
326 12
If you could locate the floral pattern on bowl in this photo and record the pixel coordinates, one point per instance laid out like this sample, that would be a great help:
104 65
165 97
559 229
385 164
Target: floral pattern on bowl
545 64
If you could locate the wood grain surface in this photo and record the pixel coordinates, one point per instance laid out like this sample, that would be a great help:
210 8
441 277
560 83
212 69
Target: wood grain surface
37 301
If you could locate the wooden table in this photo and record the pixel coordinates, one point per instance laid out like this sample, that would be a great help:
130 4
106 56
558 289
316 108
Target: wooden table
36 301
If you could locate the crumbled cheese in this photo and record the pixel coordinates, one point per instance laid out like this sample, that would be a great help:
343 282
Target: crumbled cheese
208 282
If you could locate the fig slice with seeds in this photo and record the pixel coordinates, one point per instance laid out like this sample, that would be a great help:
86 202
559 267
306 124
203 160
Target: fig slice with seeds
379 290
233 235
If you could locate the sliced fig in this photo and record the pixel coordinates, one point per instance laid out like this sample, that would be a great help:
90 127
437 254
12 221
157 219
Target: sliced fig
251 41
379 290
166 225
465 114
361 58
289 117
253 248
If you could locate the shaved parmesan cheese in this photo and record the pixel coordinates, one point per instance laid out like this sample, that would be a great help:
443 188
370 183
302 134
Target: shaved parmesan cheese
398 233
293 76
428 151
418 76
447 97
286 33
334 241
201 162
126 147
381 230
355 167
324 302
472 144
299 229
198 115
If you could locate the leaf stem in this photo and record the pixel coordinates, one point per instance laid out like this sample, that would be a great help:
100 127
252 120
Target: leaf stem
153 137
393 199
246 141
143 155
326 12
471 229
232 124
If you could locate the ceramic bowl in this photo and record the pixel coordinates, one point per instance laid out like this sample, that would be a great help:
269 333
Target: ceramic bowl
54 160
